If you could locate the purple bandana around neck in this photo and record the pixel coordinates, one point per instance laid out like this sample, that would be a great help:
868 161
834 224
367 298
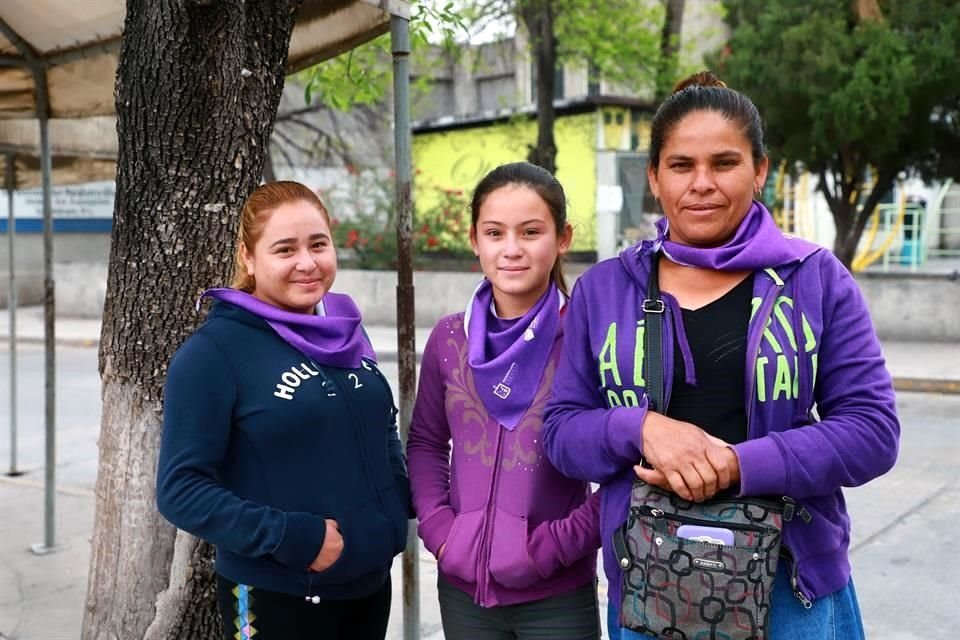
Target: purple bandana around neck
335 339
757 244
508 363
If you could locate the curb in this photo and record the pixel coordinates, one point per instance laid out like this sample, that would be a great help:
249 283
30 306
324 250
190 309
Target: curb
62 342
382 356
927 385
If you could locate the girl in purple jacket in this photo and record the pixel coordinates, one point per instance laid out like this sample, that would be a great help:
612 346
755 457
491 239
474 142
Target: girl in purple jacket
773 375
515 540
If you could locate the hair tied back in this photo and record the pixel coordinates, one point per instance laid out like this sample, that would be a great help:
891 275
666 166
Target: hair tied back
700 79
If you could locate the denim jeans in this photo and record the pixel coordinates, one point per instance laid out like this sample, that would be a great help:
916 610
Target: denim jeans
832 617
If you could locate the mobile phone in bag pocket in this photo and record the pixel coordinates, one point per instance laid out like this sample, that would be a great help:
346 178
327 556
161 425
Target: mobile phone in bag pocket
712 535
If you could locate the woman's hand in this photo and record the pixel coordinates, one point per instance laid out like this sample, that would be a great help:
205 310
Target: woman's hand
331 549
440 551
686 460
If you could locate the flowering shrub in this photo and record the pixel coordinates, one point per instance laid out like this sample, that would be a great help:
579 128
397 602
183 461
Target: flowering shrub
367 237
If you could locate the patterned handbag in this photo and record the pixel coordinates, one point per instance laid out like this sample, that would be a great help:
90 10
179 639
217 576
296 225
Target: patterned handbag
714 585
680 588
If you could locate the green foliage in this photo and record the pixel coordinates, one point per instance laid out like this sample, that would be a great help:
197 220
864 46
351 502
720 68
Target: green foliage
363 75
879 93
846 96
367 237
618 38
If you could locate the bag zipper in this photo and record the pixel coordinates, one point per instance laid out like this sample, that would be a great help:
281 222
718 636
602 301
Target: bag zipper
661 514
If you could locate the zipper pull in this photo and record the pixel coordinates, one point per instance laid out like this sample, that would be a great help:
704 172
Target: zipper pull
804 600
659 524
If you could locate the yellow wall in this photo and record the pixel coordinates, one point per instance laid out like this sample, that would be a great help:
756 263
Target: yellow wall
624 129
459 159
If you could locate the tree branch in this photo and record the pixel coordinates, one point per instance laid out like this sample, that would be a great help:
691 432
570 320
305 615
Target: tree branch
884 183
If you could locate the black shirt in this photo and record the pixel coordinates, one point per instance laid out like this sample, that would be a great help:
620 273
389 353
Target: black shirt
717 335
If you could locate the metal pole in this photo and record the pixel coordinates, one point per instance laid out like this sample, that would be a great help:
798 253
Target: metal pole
50 398
11 182
406 330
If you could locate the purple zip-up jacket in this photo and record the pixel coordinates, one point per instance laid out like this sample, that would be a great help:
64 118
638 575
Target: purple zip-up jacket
515 529
810 345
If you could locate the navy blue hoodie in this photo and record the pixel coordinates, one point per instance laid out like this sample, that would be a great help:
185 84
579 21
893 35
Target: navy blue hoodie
261 444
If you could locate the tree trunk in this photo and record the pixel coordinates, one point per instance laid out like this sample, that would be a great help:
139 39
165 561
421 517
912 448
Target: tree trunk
669 47
198 85
844 247
866 10
537 16
850 220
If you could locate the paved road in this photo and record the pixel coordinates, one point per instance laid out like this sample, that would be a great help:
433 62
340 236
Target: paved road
905 524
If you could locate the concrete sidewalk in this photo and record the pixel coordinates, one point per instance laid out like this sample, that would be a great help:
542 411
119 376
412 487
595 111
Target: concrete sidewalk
897 519
85 332
916 366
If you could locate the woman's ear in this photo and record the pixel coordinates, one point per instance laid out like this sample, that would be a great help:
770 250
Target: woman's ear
473 241
762 170
565 239
247 259
652 181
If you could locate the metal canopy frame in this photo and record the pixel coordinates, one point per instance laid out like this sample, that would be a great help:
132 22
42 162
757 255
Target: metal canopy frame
32 61
406 334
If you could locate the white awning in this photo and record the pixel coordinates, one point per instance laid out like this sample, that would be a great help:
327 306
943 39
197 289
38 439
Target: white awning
78 41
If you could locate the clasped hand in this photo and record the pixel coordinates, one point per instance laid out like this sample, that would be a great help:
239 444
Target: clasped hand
686 460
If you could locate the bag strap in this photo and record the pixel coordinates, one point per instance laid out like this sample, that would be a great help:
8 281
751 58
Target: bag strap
653 308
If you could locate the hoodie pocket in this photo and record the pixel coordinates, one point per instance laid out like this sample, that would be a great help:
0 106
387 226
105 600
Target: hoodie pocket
510 561
367 546
462 547
397 513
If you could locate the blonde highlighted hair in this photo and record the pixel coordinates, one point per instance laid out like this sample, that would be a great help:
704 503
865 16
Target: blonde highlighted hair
256 211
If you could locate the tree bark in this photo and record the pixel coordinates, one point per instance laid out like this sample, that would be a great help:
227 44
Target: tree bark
537 17
198 84
669 46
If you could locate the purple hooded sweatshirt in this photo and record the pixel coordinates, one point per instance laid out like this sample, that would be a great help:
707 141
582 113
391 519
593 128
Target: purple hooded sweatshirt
515 529
811 350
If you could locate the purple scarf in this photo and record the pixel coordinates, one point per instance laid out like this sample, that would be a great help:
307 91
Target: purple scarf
335 339
757 244
508 358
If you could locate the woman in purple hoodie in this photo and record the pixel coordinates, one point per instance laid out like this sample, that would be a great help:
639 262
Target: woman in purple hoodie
774 383
515 540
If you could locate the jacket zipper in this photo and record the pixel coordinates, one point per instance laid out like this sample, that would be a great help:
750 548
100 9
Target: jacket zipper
761 319
483 558
795 577
358 435
763 316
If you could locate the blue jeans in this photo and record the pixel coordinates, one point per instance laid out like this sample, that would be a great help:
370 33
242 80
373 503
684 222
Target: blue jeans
832 617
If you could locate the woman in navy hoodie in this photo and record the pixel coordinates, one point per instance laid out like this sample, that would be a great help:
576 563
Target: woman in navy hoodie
280 443
773 376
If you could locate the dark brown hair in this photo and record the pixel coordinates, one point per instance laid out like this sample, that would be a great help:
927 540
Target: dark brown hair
704 91
256 211
543 183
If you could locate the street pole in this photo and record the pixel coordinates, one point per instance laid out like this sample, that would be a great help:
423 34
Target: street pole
11 183
406 323
50 373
